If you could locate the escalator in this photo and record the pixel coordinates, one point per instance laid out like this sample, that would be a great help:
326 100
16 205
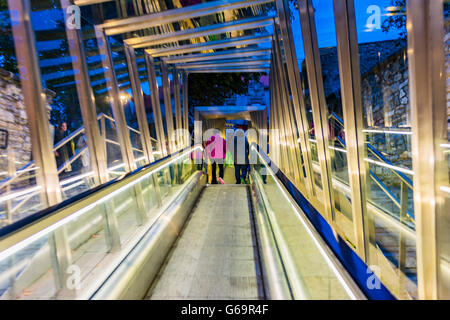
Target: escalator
216 255
161 232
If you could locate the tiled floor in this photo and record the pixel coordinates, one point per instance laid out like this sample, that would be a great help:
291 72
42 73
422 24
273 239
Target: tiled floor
215 256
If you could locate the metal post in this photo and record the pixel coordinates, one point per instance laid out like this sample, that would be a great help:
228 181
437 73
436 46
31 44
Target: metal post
177 99
139 104
402 241
114 100
427 78
42 144
296 90
167 105
86 99
279 125
153 84
185 94
319 106
287 113
348 54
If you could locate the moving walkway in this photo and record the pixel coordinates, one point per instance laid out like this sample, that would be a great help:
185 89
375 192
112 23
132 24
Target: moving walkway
161 232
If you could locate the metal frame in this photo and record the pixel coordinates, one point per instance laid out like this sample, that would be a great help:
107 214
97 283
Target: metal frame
427 77
114 100
118 26
87 101
229 54
348 54
210 45
185 97
138 99
235 25
177 100
297 93
168 106
319 106
156 107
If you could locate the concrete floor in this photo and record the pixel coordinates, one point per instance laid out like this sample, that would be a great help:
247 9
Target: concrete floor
215 256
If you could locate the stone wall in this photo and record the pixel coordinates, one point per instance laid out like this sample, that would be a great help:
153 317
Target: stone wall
14 120
385 97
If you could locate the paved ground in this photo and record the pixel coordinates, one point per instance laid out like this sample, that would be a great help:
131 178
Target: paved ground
215 255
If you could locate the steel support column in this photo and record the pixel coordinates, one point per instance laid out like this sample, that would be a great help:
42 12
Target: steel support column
168 106
282 7
156 107
139 104
185 96
177 102
427 79
41 142
290 128
319 105
114 100
348 54
97 153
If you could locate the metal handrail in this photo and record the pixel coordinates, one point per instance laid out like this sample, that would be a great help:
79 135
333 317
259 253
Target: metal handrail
10 179
376 153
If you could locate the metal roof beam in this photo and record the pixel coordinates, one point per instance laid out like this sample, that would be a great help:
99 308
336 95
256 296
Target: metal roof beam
225 64
229 54
210 45
119 26
236 25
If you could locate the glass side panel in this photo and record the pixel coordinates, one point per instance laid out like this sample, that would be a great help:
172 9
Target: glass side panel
318 279
20 194
58 76
444 220
91 241
382 38
326 37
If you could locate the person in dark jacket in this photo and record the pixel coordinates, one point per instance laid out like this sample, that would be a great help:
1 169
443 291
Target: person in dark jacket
240 156
64 153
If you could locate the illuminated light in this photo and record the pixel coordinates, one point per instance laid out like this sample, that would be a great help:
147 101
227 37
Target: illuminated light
117 167
445 145
73 186
20 193
381 164
313 236
25 242
445 189
81 176
27 170
387 131
337 149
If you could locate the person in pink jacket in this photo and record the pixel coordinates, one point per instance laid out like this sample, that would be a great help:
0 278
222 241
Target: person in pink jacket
216 151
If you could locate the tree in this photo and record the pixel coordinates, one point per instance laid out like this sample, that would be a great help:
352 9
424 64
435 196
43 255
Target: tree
397 18
207 89
8 59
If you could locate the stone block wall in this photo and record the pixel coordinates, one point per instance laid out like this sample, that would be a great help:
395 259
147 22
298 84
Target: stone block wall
14 119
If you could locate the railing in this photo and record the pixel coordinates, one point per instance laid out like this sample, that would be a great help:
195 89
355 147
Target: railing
113 219
23 196
406 183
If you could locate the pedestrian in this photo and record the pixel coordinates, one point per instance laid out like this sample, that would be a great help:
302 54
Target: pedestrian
216 150
63 153
240 156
